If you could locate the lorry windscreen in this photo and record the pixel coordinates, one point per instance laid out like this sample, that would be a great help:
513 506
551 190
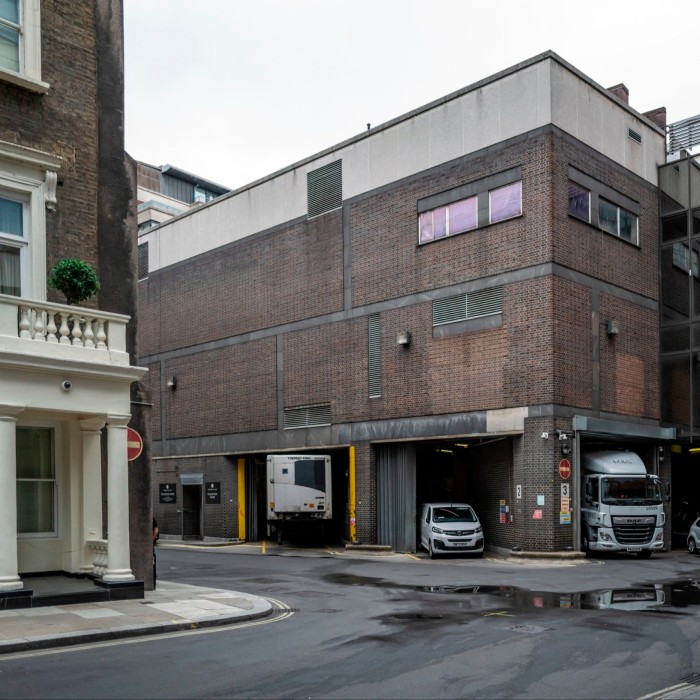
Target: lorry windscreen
630 490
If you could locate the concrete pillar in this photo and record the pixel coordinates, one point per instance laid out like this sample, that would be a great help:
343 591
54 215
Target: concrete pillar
9 576
118 560
91 429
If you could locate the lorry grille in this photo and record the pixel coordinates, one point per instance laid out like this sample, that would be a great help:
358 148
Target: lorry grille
630 530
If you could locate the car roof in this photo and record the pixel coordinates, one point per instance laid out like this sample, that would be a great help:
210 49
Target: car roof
447 504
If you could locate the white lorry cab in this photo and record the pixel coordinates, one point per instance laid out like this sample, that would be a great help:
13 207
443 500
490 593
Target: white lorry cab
621 504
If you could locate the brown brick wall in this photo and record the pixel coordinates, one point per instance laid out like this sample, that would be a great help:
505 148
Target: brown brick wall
292 273
231 389
629 361
64 123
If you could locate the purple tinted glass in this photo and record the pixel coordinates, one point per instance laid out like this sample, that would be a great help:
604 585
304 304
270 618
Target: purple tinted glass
425 223
463 215
579 202
506 202
440 222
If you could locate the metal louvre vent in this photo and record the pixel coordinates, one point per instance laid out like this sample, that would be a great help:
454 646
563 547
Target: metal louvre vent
375 362
325 188
463 307
635 136
143 260
307 417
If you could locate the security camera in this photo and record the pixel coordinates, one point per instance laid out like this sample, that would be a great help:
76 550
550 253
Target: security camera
66 385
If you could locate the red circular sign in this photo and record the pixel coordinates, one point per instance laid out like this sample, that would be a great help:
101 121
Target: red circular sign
564 469
134 444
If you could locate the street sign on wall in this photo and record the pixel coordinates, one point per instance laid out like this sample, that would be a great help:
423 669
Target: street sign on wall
134 444
564 469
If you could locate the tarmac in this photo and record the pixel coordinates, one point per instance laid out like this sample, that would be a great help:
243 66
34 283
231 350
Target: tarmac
174 607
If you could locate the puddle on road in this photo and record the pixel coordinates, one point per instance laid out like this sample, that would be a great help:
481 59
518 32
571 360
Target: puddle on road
668 597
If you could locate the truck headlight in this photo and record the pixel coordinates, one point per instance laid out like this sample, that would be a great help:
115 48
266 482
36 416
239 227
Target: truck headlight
604 536
437 530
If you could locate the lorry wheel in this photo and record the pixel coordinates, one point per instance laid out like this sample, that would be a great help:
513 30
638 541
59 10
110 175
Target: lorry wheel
585 547
644 554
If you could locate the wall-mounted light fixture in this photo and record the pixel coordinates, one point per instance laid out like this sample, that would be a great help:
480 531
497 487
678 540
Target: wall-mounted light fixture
172 382
403 338
661 453
612 327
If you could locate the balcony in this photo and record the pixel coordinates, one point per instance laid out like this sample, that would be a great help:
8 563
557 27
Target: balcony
60 332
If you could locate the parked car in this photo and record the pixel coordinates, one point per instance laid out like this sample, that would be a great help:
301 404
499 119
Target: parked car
694 537
450 528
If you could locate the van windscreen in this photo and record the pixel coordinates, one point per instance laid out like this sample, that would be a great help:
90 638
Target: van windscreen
454 514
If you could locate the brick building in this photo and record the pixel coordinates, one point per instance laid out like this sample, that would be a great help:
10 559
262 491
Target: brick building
68 503
448 304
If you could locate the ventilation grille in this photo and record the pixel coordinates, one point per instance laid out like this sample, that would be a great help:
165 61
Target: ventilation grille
463 307
143 260
307 417
375 361
325 188
634 135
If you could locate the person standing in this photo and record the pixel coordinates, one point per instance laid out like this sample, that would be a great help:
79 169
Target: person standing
156 534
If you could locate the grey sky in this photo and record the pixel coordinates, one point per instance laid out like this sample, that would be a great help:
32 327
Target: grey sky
233 90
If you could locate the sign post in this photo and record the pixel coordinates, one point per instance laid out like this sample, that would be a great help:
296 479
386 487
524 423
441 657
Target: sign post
134 444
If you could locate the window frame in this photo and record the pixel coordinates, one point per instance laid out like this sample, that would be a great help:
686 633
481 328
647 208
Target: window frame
481 192
57 472
29 176
598 193
29 74
508 217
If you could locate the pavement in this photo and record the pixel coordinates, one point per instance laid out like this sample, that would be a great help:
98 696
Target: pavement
172 607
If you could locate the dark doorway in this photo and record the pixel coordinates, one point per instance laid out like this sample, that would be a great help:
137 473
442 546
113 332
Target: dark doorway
192 512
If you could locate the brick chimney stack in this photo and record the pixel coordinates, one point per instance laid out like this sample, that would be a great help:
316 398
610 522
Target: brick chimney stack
621 91
658 116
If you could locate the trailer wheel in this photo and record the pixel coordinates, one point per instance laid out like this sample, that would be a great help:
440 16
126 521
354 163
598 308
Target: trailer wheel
644 554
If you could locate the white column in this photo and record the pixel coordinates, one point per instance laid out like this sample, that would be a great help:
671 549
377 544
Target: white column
9 577
118 560
91 429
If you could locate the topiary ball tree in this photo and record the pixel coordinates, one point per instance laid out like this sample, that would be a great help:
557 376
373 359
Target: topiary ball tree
75 279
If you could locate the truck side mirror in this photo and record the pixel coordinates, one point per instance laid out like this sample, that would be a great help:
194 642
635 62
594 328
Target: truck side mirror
589 490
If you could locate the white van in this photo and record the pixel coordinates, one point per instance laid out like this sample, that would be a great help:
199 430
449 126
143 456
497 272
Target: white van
450 528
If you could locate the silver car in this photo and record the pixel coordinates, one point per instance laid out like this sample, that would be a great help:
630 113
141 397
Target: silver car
694 537
450 528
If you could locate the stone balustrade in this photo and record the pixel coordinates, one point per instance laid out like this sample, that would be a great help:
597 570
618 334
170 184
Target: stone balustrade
97 336
99 554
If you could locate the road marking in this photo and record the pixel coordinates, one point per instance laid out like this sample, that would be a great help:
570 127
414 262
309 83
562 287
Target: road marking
264 546
283 613
501 613
669 692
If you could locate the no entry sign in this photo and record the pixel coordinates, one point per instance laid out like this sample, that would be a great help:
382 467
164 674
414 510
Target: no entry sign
564 469
134 444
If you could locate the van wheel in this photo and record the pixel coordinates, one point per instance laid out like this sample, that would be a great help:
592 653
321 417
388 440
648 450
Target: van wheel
692 547
644 554
431 551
